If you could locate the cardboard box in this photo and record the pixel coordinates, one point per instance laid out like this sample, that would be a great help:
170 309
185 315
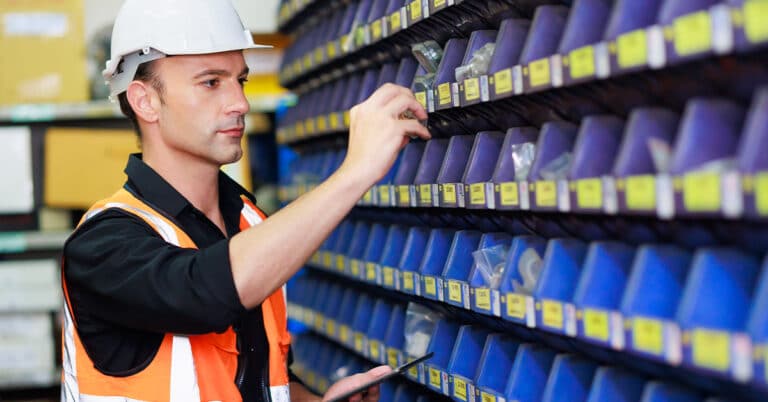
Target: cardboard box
30 286
83 165
27 352
44 52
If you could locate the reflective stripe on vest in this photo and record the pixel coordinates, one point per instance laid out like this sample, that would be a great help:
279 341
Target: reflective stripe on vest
181 360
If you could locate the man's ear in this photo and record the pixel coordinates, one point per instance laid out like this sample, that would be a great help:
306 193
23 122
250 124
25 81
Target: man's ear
144 100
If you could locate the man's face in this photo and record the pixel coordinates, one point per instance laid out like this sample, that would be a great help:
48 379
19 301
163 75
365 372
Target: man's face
203 106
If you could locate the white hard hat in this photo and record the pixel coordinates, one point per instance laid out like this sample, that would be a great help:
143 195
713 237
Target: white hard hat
147 30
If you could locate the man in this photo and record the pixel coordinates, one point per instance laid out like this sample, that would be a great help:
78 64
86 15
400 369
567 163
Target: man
173 284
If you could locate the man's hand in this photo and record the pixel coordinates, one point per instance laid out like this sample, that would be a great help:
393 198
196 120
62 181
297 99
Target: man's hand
349 383
378 131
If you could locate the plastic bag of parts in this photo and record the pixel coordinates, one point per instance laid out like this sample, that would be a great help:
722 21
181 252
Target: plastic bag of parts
661 154
428 54
529 265
419 324
522 158
490 262
424 82
478 64
557 168
716 166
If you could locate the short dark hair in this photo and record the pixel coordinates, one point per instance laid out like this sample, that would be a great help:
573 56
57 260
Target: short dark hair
144 72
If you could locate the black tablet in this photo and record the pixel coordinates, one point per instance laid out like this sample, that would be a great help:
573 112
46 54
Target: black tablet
400 370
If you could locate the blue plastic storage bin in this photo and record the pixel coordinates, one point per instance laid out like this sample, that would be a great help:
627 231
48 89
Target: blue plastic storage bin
570 379
562 266
414 250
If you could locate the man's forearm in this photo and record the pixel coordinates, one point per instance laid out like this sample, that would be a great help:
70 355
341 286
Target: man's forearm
264 257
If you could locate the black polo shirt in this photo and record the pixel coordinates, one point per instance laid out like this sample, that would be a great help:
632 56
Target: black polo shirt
128 287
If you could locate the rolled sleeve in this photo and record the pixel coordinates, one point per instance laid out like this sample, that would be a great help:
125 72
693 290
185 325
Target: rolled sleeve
120 271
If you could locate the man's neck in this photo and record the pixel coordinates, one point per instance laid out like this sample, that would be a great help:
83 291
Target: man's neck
198 182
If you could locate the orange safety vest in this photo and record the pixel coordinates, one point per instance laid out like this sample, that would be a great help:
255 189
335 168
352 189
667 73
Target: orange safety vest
186 367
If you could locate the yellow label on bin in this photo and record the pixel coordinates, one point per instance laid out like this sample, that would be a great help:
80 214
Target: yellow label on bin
516 305
331 49
755 27
454 291
359 342
347 118
333 119
449 192
632 49
392 357
373 349
444 93
483 298
415 10
582 62
318 322
330 327
648 335
546 193
430 286
693 33
459 388
434 377
322 124
589 193
425 193
477 194
355 267
370 271
327 260
344 333
384 195
503 81
539 72
596 324
311 378
438 3
711 349
405 194
308 60
408 280
761 194
701 192
486 397
388 274
421 96
340 262
472 89
414 372
376 30
552 314
509 194
319 55
641 192
394 21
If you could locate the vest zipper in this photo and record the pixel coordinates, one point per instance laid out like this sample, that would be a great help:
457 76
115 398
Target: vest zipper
265 383
241 360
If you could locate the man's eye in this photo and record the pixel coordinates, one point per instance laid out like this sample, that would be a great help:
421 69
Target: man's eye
211 83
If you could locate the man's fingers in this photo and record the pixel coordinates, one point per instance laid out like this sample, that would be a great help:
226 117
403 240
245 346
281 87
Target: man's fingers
413 127
379 371
402 103
386 93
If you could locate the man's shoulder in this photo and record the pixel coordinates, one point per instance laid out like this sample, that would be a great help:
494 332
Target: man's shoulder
109 226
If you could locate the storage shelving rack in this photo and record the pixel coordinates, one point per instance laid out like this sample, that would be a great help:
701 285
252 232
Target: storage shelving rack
654 280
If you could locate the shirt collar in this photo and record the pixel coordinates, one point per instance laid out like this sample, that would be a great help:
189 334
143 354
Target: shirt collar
151 187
